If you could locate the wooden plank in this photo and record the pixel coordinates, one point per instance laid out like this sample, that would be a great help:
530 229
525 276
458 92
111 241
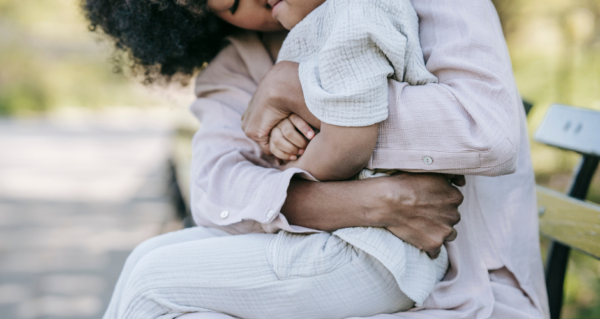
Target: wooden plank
571 128
572 222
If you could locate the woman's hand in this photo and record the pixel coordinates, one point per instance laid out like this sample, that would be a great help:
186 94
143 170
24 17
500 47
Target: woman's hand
421 209
278 95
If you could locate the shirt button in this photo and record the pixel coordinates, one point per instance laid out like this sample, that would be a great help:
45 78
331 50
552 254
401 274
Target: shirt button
270 213
427 160
224 214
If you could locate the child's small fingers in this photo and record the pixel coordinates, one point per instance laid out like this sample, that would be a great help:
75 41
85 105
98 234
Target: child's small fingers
291 134
282 143
283 155
275 141
302 126
277 152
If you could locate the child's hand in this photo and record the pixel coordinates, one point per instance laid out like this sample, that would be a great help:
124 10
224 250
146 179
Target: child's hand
289 138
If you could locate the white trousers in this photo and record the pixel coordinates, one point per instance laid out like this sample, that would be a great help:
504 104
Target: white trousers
284 275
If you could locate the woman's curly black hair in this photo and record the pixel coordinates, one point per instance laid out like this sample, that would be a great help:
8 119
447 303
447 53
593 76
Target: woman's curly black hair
162 38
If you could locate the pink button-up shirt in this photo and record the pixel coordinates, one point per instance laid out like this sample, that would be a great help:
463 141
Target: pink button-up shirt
471 122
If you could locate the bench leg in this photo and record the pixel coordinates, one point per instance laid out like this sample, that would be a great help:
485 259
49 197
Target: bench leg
556 268
558 254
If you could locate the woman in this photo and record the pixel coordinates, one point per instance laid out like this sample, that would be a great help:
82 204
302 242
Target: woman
495 264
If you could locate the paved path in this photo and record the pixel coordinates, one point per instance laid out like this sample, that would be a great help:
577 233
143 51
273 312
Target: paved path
75 198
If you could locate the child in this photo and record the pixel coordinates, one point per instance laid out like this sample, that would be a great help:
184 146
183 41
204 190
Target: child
347 50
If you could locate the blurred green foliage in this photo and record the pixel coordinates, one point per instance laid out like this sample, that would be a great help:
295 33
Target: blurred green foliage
48 59
555 49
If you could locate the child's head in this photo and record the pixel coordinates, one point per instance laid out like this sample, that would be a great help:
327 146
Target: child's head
263 14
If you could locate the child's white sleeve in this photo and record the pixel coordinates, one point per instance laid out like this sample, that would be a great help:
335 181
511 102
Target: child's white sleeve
345 84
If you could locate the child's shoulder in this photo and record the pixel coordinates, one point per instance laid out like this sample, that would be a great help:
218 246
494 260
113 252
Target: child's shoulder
367 15
386 7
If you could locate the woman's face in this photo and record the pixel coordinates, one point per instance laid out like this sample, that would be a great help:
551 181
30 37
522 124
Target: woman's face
263 15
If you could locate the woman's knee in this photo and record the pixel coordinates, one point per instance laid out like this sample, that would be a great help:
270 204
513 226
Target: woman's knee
171 238
147 276
147 246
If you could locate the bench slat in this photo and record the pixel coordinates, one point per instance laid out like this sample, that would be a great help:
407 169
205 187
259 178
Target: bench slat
571 128
572 222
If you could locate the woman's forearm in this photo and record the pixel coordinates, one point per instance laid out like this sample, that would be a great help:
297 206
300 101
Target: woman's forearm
421 209
329 206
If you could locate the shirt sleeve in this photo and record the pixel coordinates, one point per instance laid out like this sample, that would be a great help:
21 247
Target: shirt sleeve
234 187
468 123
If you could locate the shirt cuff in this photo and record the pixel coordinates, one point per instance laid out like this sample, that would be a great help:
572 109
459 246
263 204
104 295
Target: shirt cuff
273 220
264 207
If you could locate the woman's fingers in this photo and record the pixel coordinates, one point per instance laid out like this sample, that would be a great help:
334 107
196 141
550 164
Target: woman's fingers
259 120
436 247
421 209
290 133
453 235
302 126
458 180
277 96
433 254
282 148
429 243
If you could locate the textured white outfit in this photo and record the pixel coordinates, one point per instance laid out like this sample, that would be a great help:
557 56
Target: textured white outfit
252 276
347 50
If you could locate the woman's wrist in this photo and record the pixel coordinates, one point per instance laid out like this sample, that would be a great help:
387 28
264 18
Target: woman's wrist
330 206
380 195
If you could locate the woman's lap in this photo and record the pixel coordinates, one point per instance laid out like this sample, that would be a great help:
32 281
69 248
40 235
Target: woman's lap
149 245
246 276
205 315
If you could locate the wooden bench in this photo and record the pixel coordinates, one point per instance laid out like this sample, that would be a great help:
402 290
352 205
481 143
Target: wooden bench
569 221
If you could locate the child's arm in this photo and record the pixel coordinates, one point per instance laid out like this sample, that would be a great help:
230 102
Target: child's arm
286 141
337 153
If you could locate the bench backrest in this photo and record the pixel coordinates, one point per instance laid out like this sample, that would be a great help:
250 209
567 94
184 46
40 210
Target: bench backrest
568 220
572 222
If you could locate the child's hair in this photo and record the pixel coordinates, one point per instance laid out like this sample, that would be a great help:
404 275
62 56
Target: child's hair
161 38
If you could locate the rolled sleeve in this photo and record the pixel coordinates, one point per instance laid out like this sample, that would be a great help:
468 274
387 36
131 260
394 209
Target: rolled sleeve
234 186
468 123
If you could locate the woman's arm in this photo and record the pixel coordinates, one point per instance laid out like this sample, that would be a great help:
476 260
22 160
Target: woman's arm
228 175
233 185
467 123
419 208
235 188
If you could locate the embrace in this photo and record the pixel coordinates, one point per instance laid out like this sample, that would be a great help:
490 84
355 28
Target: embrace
333 160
